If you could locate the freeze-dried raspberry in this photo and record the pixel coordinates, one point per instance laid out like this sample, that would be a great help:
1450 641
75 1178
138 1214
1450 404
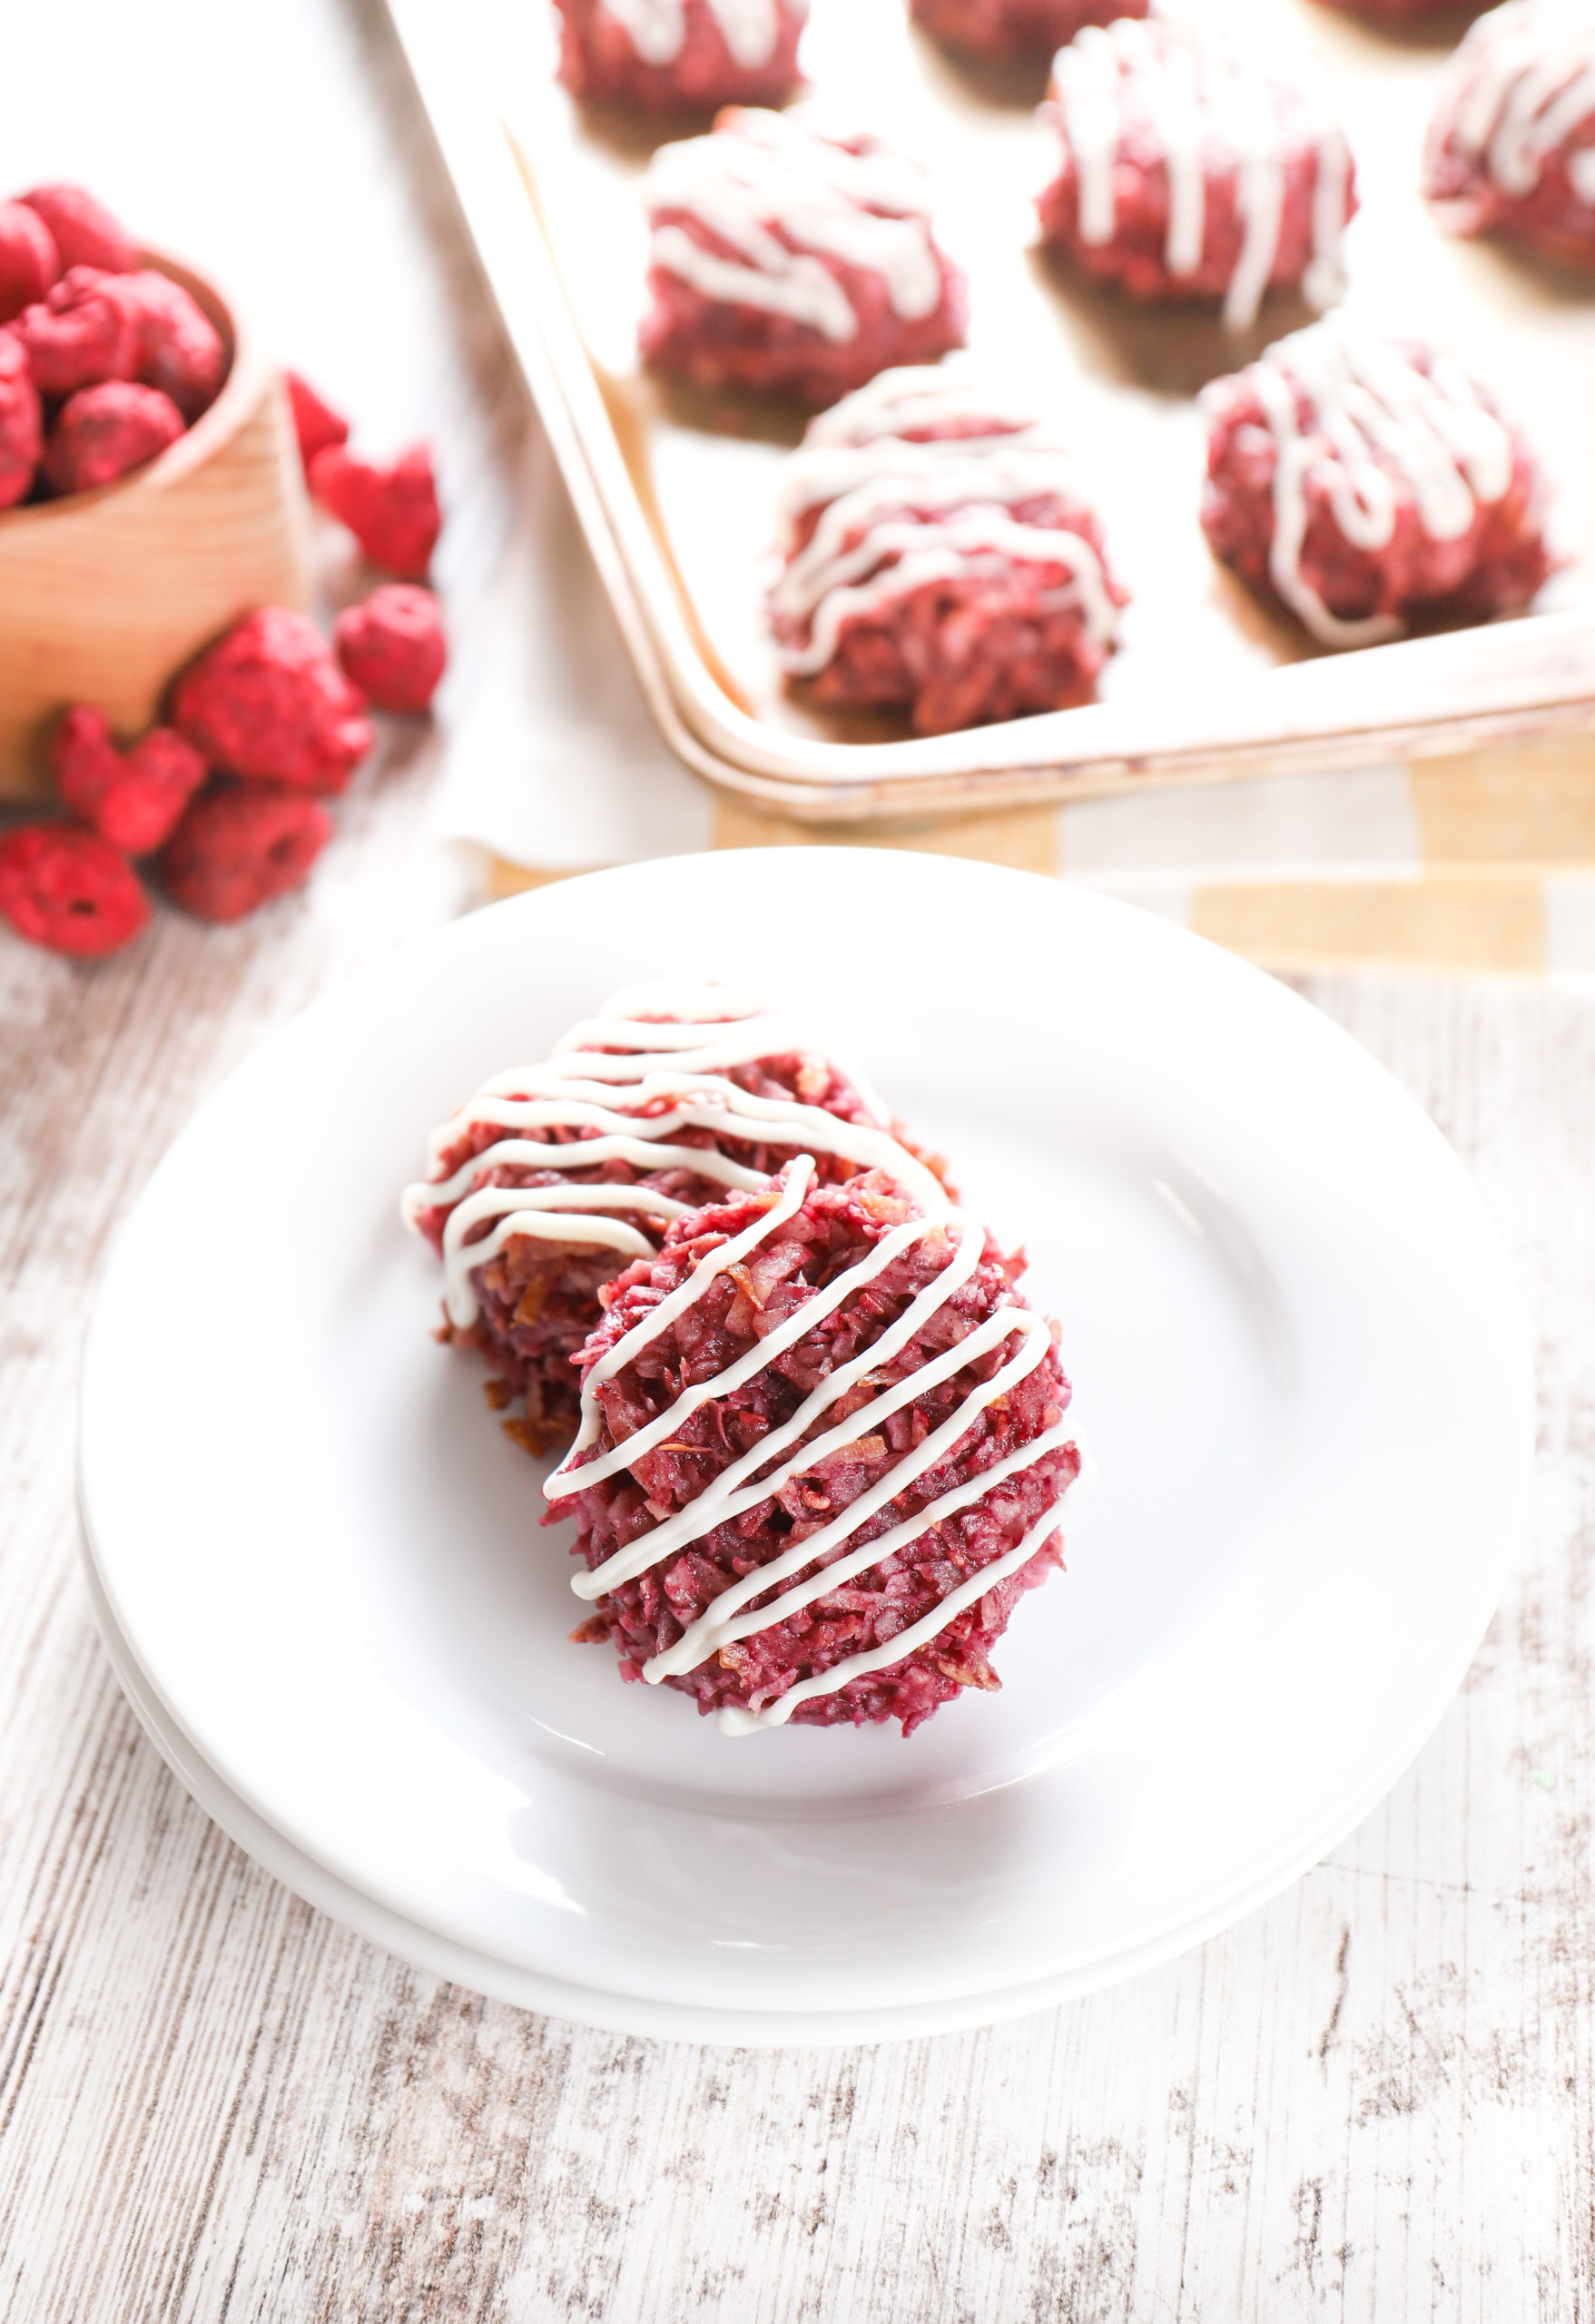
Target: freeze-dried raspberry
84 231
135 800
315 423
391 511
268 700
102 432
393 647
22 422
29 261
180 350
66 888
238 847
78 334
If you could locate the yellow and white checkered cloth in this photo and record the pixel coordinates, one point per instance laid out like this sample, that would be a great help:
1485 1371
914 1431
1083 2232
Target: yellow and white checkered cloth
1484 863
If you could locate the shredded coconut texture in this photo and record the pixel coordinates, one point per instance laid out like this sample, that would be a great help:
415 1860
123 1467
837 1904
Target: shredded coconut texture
836 1226
539 1299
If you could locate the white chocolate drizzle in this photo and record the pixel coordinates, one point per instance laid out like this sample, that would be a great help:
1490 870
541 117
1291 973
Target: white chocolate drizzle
918 399
1375 423
732 1719
1522 83
902 509
657 29
674 1045
1197 86
650 1046
736 1490
785 199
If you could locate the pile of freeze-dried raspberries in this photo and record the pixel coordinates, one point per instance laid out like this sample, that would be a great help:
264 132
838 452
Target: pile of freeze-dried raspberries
224 800
103 362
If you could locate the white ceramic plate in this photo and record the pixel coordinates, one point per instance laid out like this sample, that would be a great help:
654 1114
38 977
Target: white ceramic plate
1298 1358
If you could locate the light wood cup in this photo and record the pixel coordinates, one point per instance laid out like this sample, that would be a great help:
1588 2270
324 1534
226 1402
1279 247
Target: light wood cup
105 595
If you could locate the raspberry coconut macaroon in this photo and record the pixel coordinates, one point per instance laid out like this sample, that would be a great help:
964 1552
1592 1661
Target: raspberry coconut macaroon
663 56
822 1451
998 32
789 265
940 558
1361 481
1511 149
553 1177
1190 170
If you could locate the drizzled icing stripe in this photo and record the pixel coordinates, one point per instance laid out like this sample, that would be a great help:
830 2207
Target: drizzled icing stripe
732 1493
739 1116
1524 83
901 509
983 447
538 1154
728 1496
657 29
912 399
546 1213
950 551
625 1351
720 1625
784 200
740 1043
1196 83
732 1720
1375 420
584 1089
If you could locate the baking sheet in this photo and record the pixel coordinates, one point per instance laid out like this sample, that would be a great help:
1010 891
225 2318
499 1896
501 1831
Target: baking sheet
700 474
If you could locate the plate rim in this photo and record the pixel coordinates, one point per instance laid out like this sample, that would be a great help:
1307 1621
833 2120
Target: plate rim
431 1948
606 2009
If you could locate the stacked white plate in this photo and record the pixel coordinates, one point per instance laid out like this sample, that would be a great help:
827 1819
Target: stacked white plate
1298 1360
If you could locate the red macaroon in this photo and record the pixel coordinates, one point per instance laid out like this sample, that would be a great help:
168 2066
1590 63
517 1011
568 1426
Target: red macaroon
84 230
536 1298
836 1651
78 335
270 703
1510 146
1123 208
1362 482
22 422
718 57
940 557
105 432
391 508
240 846
134 800
315 422
29 261
68 890
393 647
792 264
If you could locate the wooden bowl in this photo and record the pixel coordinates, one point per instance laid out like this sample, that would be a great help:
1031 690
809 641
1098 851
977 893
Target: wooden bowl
105 595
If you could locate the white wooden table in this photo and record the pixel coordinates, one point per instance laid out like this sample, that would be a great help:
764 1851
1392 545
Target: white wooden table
1375 2099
